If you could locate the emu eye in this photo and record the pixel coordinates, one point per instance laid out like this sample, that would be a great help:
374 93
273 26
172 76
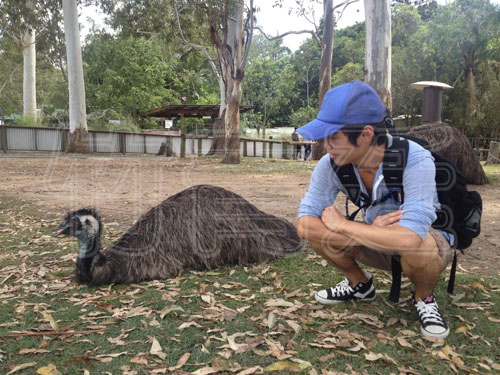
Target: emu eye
87 221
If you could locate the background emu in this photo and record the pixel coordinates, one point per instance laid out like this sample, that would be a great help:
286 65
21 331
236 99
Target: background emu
199 228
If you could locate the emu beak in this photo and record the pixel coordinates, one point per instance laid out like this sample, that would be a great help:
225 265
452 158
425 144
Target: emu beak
62 228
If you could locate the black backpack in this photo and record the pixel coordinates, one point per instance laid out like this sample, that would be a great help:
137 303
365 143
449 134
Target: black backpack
460 212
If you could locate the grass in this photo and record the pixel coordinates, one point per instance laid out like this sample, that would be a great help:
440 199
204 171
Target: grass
229 320
492 171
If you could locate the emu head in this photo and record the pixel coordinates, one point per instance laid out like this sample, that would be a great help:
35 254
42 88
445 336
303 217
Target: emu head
84 224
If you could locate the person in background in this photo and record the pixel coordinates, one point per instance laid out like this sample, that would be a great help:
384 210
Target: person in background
295 138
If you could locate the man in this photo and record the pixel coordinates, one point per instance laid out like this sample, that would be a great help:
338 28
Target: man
295 138
351 122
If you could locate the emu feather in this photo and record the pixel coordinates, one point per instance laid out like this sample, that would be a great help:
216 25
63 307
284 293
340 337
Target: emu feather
200 228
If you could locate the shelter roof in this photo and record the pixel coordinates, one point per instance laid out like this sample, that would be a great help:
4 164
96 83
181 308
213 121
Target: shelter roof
189 110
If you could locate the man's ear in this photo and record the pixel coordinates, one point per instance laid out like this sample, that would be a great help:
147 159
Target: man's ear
367 134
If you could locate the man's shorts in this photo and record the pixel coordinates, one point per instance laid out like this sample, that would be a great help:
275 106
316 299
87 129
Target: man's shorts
383 260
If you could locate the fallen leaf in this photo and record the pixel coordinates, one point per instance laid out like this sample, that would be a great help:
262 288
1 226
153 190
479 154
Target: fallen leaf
50 319
295 326
33 351
169 309
478 286
271 320
181 362
404 343
249 371
139 360
494 320
189 324
205 371
157 350
21 367
375 357
283 366
278 303
50 369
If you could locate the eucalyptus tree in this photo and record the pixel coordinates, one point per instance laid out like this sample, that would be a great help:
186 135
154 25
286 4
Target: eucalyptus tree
325 41
78 133
460 35
19 21
378 48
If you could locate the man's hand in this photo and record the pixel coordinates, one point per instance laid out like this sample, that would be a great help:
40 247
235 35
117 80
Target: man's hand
388 220
332 218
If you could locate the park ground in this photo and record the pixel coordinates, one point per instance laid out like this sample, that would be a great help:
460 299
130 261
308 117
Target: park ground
243 320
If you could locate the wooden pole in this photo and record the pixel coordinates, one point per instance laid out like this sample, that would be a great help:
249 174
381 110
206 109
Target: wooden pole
183 137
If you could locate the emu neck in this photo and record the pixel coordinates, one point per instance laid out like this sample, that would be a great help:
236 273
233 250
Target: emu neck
88 246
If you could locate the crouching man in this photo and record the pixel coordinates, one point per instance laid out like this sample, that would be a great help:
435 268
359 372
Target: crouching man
351 123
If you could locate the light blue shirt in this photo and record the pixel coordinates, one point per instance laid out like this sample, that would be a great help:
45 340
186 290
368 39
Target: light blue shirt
420 195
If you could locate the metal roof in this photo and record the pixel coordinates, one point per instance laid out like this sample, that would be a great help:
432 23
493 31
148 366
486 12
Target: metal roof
189 110
423 84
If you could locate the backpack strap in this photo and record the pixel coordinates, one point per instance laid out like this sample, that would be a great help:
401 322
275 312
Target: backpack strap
348 178
453 272
395 159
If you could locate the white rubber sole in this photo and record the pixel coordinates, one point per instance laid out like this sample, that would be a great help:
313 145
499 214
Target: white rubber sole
326 301
435 335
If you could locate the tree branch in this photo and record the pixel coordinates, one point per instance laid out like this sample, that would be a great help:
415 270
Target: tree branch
314 35
198 47
249 31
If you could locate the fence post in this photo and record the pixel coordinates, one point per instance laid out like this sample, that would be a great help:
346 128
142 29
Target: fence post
271 150
264 149
200 146
123 146
284 149
35 139
183 146
245 148
63 140
254 148
3 129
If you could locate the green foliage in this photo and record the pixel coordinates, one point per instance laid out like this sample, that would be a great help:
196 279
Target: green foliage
349 72
269 86
302 116
128 76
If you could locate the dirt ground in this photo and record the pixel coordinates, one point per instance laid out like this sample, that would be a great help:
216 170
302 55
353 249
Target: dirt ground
123 188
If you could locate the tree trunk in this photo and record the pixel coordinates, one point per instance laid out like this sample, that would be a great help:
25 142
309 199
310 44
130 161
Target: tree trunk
378 49
470 84
233 61
79 138
29 75
219 136
219 128
325 72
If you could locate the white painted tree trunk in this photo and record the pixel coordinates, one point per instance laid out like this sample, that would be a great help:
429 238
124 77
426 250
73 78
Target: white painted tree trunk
378 48
29 74
234 76
79 139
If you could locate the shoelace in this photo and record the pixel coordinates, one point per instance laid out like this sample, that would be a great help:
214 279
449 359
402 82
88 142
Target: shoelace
429 312
342 288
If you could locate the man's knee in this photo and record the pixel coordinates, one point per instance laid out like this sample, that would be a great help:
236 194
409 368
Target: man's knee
426 255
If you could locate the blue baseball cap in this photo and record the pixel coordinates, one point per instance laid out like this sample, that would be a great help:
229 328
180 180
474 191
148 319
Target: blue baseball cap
353 103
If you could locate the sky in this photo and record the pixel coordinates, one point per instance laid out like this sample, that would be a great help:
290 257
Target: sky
276 21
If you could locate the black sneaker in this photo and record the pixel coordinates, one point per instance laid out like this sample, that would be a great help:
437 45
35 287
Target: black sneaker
432 323
344 291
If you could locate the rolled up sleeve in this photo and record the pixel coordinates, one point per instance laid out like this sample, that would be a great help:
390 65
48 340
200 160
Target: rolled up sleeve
420 196
322 191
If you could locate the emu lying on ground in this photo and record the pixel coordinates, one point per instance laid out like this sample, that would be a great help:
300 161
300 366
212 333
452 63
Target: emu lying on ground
200 228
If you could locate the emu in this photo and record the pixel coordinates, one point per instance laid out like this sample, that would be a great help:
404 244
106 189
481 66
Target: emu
200 228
